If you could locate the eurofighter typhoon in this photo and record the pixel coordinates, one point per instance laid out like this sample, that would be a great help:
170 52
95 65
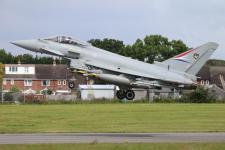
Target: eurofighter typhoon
177 72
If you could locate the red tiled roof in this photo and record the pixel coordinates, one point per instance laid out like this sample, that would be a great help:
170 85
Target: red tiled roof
52 72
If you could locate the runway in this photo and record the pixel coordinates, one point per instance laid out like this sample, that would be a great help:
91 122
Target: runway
111 138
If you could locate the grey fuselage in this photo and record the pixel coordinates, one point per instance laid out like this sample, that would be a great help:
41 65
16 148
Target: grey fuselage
108 61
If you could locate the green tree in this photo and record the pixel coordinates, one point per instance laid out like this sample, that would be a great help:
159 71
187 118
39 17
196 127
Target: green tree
112 45
178 47
201 95
8 96
25 59
14 89
45 60
138 50
159 48
8 58
151 48
5 57
47 92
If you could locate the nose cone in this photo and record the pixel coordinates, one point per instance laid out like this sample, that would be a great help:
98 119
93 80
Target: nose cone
26 44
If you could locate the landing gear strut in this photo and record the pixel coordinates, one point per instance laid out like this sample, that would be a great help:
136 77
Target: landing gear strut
129 94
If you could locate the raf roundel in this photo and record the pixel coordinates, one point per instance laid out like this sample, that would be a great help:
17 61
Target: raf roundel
195 56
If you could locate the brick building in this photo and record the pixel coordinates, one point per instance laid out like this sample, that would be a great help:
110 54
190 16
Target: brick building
30 78
212 75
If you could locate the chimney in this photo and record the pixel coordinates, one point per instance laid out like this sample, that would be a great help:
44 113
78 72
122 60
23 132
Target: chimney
19 62
54 62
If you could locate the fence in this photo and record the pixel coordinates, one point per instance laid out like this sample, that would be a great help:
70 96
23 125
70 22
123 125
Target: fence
10 97
61 97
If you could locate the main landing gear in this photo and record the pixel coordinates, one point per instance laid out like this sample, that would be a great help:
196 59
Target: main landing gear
128 94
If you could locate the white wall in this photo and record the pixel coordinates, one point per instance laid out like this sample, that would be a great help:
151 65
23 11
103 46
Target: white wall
97 94
20 69
89 92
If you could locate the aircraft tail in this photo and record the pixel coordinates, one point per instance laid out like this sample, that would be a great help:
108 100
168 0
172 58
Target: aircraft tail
192 60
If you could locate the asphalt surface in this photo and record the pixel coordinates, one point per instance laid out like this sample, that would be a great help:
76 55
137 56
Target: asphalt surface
111 138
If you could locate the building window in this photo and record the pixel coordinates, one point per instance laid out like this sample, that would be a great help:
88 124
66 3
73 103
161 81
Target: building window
12 69
12 82
59 82
26 69
46 83
207 82
27 82
4 82
64 82
202 82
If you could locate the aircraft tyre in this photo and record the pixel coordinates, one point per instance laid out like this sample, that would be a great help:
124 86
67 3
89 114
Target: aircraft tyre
130 95
71 85
121 94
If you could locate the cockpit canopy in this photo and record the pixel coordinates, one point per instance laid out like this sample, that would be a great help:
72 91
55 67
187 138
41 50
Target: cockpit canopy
67 40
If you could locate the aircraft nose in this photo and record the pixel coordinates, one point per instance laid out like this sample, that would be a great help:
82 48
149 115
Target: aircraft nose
27 44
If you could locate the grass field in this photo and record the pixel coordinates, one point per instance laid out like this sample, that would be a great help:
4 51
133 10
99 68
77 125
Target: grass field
218 146
112 118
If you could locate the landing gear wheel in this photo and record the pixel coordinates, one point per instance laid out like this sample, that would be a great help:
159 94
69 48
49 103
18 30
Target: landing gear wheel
71 85
121 94
130 95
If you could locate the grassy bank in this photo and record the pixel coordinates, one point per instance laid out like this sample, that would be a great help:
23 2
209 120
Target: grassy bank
217 146
112 118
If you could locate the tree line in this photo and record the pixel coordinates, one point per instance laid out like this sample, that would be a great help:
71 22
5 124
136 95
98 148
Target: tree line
8 58
151 48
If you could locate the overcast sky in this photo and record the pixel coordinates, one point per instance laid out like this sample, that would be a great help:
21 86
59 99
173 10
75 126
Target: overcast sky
193 21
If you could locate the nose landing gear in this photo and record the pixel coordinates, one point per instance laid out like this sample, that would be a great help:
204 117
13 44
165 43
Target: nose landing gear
71 85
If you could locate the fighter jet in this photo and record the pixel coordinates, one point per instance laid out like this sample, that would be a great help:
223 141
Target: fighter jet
127 73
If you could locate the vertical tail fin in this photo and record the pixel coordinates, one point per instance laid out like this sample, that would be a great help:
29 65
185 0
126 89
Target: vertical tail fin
192 60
